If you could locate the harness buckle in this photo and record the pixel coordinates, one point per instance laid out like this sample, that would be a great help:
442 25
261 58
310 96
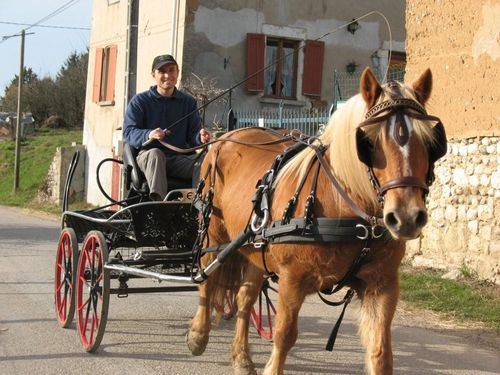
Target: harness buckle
259 245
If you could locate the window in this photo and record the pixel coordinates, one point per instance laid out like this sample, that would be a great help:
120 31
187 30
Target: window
280 57
280 78
104 75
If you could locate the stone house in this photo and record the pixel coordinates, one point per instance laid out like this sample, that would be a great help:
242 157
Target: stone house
460 42
225 41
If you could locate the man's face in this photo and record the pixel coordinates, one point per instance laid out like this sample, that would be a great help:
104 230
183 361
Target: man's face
166 76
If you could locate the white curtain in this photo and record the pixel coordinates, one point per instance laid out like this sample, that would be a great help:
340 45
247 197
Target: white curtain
270 75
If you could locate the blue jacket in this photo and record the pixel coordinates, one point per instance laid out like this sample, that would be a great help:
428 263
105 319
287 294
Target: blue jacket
149 110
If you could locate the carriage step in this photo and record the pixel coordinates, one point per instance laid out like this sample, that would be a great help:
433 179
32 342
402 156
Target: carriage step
149 274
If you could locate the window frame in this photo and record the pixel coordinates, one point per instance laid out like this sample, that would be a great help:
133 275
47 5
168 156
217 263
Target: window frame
279 65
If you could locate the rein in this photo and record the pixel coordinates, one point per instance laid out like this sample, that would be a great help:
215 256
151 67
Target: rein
292 135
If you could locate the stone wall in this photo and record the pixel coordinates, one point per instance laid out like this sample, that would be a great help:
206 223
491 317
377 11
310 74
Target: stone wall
56 177
460 42
464 210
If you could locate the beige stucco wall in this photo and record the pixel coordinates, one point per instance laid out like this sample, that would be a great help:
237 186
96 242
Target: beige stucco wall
460 42
103 123
216 31
206 32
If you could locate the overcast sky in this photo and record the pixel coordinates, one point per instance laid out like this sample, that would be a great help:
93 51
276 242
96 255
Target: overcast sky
48 48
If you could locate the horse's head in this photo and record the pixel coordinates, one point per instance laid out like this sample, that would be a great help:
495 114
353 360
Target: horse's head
399 146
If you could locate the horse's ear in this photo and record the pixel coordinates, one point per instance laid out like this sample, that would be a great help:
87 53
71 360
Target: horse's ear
423 87
369 87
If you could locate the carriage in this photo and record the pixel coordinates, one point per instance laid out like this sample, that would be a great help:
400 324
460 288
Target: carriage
327 212
101 251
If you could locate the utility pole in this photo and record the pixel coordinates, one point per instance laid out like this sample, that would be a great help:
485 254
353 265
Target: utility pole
18 125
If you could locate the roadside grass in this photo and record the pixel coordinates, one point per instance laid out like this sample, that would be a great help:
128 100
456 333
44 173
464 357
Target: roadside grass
37 152
465 300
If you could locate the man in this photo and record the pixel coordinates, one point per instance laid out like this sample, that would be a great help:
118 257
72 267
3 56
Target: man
154 115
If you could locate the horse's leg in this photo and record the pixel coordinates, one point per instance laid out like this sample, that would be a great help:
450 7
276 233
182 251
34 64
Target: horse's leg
245 299
198 334
377 310
290 298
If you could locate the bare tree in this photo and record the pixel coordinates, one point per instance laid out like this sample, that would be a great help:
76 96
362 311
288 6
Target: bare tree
204 90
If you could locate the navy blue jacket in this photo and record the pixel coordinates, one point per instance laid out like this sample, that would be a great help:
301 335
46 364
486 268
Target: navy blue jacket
149 110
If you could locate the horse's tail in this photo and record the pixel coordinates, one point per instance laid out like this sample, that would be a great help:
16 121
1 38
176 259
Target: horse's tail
226 282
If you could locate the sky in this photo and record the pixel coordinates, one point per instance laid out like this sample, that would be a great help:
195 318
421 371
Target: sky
48 48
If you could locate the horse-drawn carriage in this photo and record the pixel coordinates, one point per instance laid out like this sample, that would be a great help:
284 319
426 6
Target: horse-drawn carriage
328 212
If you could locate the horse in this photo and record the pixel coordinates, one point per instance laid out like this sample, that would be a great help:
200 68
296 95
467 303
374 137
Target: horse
379 148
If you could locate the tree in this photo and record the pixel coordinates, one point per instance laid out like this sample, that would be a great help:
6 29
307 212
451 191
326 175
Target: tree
71 83
9 99
63 97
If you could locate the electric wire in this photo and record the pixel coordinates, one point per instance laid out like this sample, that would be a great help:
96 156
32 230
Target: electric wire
59 10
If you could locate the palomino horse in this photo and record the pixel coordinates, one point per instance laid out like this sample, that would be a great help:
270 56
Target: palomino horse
384 128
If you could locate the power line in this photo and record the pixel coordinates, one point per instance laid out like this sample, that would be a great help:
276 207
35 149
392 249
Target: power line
59 10
47 26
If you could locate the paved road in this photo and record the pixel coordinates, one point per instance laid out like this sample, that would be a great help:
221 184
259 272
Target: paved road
145 333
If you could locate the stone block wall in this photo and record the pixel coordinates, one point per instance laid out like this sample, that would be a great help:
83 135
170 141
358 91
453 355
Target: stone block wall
56 177
464 210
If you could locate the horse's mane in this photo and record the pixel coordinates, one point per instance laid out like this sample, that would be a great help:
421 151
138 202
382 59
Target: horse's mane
339 134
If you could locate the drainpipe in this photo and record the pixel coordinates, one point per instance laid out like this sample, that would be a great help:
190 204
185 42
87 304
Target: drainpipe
173 40
131 51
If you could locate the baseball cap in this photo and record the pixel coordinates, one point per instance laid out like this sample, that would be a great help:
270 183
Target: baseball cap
161 60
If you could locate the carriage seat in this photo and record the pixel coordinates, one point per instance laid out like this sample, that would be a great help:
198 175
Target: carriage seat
135 179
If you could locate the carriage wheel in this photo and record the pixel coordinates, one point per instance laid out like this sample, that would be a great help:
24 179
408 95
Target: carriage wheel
64 278
92 291
263 312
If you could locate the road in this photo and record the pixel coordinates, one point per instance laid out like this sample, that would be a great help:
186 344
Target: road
145 333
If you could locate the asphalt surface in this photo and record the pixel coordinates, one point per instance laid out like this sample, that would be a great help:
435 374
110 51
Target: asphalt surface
145 333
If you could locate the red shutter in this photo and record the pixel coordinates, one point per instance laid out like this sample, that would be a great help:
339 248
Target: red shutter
313 67
110 85
97 75
255 62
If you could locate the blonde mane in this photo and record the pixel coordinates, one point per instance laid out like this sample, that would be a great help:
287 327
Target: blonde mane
339 134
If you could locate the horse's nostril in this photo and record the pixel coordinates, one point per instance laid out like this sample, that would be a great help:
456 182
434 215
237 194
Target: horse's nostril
421 218
391 220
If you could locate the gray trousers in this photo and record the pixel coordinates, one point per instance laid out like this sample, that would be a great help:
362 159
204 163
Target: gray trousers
156 165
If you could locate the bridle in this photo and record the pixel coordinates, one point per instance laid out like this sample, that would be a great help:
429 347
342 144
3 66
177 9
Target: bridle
380 114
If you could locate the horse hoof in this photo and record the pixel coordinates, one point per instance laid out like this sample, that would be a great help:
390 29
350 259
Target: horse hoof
196 343
245 371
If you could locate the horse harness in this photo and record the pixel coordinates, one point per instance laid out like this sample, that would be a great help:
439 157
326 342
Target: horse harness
364 227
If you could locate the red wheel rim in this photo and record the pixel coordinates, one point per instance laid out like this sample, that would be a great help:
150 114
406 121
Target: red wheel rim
92 291
65 269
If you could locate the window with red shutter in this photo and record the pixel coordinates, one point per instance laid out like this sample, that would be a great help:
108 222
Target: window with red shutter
313 67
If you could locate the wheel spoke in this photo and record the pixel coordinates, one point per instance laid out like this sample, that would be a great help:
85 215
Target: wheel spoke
58 289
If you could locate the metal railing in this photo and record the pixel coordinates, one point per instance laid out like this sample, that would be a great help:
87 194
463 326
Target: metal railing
308 121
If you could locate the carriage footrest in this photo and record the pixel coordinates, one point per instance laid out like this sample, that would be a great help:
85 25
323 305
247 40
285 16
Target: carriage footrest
149 274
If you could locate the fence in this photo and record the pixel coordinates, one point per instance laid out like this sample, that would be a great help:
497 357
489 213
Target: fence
310 122
346 85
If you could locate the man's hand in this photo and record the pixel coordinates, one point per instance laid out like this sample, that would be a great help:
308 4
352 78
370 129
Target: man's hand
157 133
205 135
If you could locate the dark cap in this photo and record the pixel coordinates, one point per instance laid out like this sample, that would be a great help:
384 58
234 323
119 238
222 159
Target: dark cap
161 60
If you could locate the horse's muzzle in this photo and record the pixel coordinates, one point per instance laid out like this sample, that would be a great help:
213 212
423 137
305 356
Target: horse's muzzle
405 224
